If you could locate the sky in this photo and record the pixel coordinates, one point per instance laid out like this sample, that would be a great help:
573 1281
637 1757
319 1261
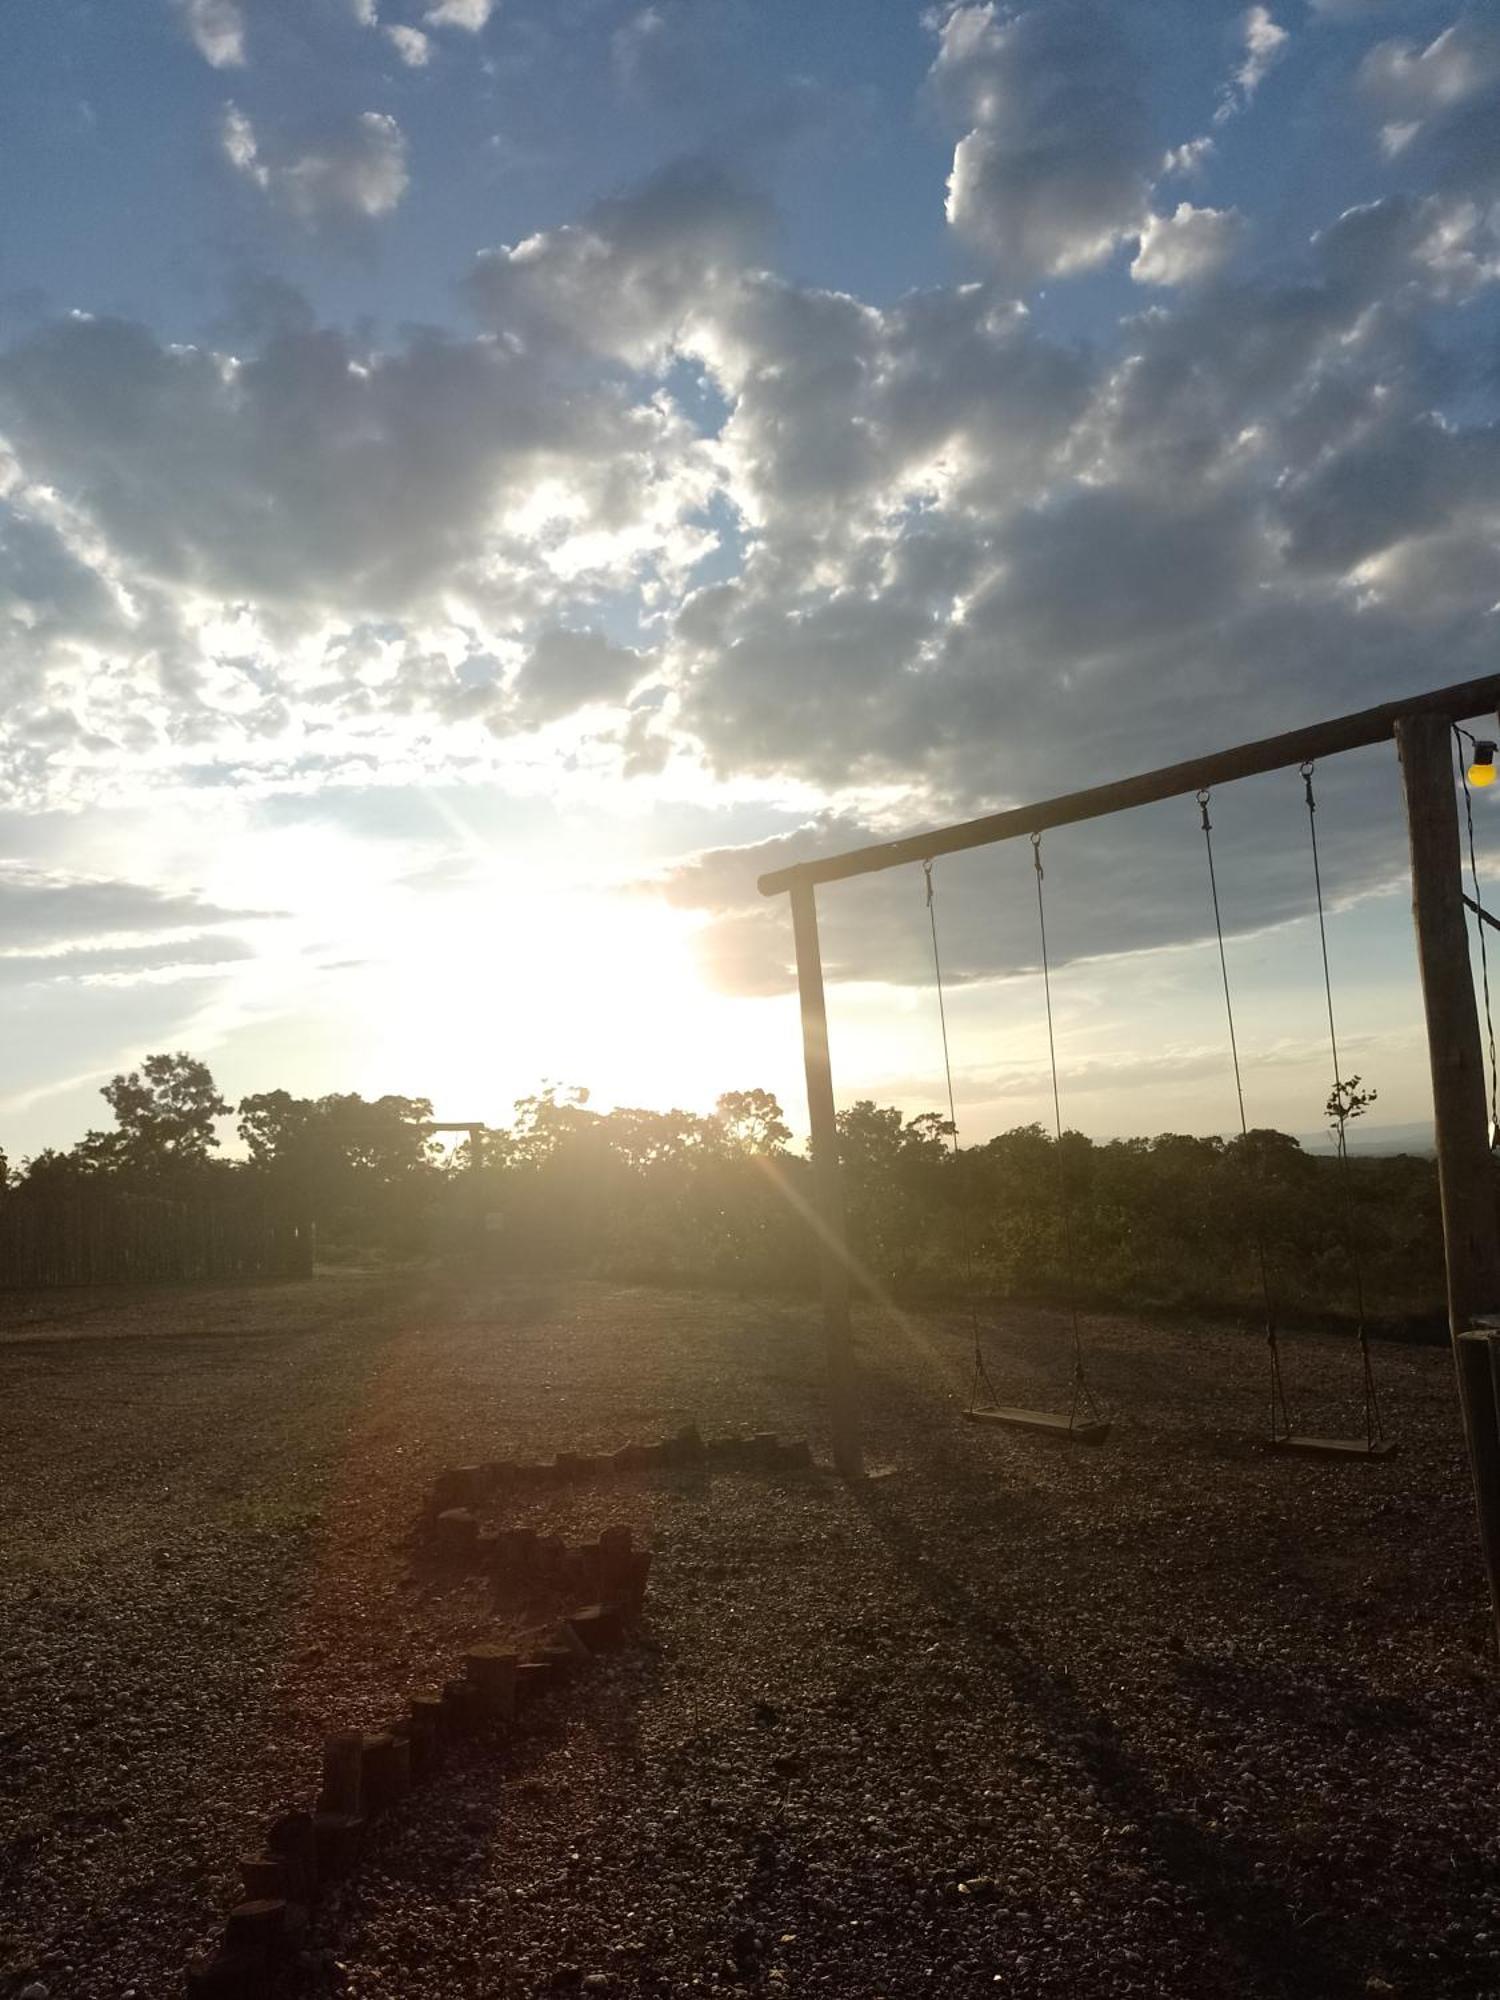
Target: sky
481 480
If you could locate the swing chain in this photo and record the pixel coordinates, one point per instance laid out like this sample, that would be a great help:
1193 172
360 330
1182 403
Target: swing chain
1280 1416
1340 1107
1082 1394
966 1248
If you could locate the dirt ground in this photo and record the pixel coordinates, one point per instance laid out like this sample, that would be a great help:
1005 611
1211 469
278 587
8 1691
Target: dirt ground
1170 1718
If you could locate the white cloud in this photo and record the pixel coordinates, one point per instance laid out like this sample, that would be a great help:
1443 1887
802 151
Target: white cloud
1412 83
1054 168
354 170
1264 43
411 45
625 278
1190 158
218 30
470 15
1187 246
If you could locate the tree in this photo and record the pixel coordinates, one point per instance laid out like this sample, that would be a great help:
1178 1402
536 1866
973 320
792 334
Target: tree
350 1162
752 1122
165 1114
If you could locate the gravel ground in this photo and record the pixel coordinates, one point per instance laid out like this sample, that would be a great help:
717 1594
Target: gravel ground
1172 1718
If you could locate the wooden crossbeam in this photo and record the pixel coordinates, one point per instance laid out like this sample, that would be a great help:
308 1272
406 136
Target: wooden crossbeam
1246 760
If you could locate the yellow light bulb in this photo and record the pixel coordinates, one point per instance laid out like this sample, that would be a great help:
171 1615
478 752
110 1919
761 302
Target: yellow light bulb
1482 770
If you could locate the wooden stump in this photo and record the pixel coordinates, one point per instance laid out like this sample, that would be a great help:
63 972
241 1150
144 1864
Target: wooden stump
599 1627
636 1568
263 1875
426 1732
565 1653
551 1555
291 1839
572 1574
454 1488
685 1447
456 1535
461 1707
585 1465
386 1774
765 1448
515 1558
259 1933
338 1836
491 1668
343 1758
533 1678
213 1976
614 1562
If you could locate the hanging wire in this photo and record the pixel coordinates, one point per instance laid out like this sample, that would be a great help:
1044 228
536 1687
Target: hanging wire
1374 1429
1479 926
980 1379
1082 1394
1280 1420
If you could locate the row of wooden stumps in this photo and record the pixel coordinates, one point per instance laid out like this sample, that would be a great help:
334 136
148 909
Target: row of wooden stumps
368 1772
451 1516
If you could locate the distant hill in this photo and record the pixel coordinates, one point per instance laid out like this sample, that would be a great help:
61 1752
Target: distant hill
1379 1139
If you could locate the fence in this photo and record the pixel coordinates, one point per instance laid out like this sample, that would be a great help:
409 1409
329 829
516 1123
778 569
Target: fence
132 1239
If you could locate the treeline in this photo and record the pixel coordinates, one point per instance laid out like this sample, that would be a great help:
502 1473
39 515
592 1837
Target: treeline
674 1196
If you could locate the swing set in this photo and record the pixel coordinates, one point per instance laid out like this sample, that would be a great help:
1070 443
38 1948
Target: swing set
1424 728
1082 1423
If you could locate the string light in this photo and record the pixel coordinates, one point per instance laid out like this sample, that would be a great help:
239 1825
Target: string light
1481 770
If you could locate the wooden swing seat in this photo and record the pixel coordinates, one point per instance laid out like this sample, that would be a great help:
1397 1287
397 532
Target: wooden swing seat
1318 1447
1085 1430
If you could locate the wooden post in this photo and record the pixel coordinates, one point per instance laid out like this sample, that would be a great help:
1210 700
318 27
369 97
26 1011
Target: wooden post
1466 1174
476 1178
828 1194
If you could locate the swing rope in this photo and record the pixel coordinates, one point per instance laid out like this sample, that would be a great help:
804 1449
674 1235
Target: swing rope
980 1378
1479 917
1281 1422
1082 1395
1374 1429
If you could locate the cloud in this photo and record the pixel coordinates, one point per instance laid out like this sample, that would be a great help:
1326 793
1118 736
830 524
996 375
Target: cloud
121 963
313 475
1440 107
356 170
218 30
1412 82
1187 246
1054 167
566 671
46 908
1264 43
470 15
411 45
627 276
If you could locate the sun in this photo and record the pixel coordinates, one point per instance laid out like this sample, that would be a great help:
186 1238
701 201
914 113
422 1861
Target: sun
500 989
